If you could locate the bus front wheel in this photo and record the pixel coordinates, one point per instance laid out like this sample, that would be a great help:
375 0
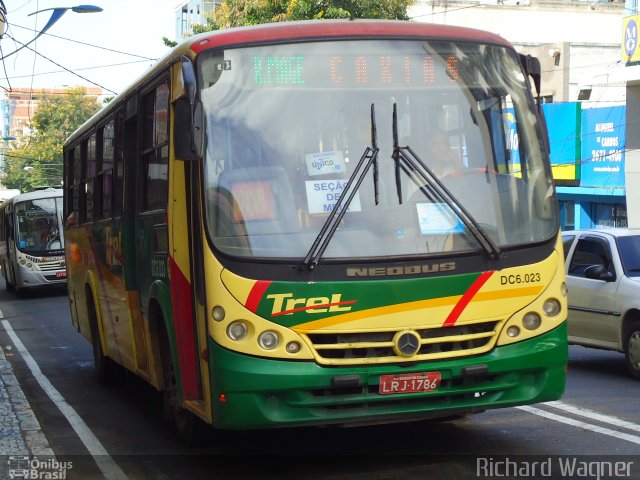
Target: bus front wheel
103 364
186 424
7 279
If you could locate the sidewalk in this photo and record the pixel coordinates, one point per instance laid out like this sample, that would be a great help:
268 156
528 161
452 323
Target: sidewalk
20 433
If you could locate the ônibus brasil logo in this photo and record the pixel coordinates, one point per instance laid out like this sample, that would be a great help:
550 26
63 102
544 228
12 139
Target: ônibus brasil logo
24 467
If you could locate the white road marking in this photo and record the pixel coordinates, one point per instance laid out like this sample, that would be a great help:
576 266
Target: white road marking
107 465
583 412
580 424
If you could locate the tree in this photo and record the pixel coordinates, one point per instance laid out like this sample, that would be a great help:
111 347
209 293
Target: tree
235 13
38 161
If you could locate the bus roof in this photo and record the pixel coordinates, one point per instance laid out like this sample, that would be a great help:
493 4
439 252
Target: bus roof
328 29
304 30
36 194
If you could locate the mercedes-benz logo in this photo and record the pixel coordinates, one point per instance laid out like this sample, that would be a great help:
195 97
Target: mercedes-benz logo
406 343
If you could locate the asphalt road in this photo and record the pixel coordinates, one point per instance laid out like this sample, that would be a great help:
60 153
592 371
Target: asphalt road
596 425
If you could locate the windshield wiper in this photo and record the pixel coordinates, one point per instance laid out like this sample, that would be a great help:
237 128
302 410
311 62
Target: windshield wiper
409 161
368 158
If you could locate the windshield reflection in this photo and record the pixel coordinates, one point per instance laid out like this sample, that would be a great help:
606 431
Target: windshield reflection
284 137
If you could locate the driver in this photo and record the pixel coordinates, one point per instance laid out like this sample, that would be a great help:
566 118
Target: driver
44 233
443 160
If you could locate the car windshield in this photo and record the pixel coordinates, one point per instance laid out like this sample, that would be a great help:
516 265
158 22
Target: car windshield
287 125
629 247
39 229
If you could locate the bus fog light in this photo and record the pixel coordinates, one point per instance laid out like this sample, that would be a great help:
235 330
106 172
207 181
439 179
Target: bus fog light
551 307
268 340
293 347
531 321
563 289
237 330
513 331
218 313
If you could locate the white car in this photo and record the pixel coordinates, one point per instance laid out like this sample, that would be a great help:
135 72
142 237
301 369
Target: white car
603 279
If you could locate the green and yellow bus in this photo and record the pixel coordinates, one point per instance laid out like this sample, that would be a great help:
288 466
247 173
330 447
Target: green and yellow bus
261 227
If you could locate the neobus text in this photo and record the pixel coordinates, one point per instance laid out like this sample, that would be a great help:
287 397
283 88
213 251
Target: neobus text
402 270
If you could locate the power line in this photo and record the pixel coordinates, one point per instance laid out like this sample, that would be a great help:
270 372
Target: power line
64 68
88 44
79 69
444 12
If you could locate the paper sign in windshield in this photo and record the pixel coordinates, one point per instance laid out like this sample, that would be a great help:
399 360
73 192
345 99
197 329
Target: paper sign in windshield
322 195
323 163
436 218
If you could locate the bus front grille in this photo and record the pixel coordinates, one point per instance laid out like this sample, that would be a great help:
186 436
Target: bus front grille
50 266
379 346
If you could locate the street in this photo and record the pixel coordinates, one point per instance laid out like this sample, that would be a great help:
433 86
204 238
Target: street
596 422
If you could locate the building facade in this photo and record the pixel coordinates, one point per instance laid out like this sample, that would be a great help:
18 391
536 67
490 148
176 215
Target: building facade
585 100
20 104
192 13
630 56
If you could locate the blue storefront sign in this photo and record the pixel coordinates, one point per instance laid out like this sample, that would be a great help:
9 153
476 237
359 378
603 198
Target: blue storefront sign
563 125
603 143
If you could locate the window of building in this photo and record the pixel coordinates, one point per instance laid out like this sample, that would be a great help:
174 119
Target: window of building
568 215
609 215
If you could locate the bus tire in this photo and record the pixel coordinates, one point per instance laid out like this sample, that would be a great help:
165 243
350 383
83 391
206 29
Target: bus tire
632 348
7 279
8 285
103 364
187 425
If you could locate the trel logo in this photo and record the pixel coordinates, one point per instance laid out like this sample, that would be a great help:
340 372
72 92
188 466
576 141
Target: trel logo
287 304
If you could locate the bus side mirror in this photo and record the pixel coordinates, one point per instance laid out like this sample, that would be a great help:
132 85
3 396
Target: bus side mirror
532 68
188 130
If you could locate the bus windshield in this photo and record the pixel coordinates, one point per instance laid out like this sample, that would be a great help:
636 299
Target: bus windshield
287 124
38 231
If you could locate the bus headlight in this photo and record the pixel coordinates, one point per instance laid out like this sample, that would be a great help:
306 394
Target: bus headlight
513 331
218 313
551 307
237 330
293 347
269 340
531 321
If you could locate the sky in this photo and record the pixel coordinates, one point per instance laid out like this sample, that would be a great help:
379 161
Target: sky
109 49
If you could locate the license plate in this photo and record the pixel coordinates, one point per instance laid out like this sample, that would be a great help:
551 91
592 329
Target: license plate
409 383
61 274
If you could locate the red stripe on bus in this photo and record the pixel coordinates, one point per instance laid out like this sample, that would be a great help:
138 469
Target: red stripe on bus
183 323
256 293
466 299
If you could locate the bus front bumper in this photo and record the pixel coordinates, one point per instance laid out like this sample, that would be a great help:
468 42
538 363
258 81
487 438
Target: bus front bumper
250 392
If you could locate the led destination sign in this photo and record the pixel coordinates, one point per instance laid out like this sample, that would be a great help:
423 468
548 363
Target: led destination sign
353 70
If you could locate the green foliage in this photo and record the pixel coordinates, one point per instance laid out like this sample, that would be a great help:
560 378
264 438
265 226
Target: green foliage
37 161
236 13
169 43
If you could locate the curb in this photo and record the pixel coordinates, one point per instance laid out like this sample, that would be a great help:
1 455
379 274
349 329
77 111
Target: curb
21 432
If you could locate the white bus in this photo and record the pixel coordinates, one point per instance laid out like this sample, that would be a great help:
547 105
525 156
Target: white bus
32 241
